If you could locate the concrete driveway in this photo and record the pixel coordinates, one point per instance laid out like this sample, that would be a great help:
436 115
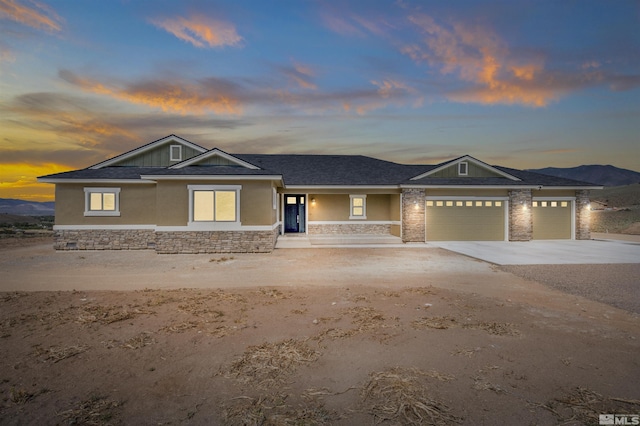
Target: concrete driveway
551 252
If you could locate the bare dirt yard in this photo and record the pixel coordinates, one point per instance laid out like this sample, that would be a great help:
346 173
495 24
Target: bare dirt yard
304 337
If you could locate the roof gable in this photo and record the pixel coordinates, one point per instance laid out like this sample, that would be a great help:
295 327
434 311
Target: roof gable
465 167
159 153
215 157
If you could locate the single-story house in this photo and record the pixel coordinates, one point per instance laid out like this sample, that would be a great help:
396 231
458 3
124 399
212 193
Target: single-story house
174 196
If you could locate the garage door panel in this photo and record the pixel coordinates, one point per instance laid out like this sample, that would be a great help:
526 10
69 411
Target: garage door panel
466 220
551 220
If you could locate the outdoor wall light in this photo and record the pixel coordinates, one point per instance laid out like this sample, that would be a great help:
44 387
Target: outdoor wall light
524 205
313 201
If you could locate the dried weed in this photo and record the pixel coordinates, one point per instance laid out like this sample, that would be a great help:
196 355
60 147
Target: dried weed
273 411
439 323
398 395
270 364
584 406
57 354
96 410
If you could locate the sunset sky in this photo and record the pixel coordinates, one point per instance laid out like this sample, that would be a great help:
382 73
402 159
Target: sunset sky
524 84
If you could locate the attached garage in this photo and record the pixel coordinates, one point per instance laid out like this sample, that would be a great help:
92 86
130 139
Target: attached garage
472 219
552 219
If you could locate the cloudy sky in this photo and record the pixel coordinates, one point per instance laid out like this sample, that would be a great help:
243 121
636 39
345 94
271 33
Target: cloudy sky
524 84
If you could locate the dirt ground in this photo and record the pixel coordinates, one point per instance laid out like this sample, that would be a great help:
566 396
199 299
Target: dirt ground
302 337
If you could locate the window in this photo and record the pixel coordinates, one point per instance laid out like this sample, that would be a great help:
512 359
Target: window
175 153
214 203
102 201
463 168
358 208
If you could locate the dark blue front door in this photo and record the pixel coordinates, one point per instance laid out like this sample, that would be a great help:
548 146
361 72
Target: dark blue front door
294 213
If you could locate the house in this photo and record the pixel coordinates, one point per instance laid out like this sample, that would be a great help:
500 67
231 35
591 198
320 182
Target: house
174 196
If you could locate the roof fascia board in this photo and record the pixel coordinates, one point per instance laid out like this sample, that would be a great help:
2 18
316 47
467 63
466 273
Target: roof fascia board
470 159
212 177
212 153
343 186
476 186
146 148
72 180
572 187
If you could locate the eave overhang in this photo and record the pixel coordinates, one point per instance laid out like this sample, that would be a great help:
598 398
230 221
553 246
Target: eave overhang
118 181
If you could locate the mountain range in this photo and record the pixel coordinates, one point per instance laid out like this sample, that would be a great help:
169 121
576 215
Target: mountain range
596 174
26 208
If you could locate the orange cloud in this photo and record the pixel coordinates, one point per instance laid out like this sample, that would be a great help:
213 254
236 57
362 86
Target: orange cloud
200 31
183 98
18 180
479 56
40 16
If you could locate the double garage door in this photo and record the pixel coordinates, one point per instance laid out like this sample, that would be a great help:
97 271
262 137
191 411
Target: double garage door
486 220
465 220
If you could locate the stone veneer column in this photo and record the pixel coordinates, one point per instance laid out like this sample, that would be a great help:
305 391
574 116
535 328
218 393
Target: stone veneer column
520 215
583 215
413 219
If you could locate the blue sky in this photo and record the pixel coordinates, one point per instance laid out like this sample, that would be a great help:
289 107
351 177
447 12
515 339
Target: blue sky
524 84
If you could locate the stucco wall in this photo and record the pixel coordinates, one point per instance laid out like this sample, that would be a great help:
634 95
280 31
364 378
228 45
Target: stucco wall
137 205
335 207
256 202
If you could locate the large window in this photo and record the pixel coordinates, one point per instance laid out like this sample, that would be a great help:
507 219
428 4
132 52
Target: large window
102 201
214 203
358 208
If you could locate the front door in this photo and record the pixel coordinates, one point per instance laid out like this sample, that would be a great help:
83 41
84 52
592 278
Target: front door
294 213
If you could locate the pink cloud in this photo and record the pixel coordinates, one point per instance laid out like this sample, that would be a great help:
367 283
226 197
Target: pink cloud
35 15
200 31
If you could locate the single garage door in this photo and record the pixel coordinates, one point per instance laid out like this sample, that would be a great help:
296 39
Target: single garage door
551 220
465 220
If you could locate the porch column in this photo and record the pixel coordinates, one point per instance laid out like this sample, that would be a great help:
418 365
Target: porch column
583 215
520 215
413 219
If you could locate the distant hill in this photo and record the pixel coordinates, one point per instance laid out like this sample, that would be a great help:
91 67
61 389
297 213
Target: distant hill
596 174
26 208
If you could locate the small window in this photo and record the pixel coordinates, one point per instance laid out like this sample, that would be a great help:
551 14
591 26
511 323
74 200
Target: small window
102 202
459 204
449 204
292 200
498 204
534 204
543 204
463 169
564 204
488 203
439 203
478 203
358 207
175 153
468 203
429 203
554 204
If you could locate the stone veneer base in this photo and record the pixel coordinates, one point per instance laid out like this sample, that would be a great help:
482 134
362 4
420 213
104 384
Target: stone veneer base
187 242
351 228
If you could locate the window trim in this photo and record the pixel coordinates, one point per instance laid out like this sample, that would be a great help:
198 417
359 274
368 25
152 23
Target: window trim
466 168
102 190
171 156
213 223
364 207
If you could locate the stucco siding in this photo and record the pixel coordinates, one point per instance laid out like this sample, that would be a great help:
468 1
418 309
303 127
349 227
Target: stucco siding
137 205
335 207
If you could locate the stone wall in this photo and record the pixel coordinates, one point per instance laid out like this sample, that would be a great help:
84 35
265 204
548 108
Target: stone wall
351 228
215 241
167 242
583 215
413 215
520 215
104 239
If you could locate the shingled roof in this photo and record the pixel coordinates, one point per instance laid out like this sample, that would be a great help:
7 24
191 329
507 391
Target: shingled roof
320 170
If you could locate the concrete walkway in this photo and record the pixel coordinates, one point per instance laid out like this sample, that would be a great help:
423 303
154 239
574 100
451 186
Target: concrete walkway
551 252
